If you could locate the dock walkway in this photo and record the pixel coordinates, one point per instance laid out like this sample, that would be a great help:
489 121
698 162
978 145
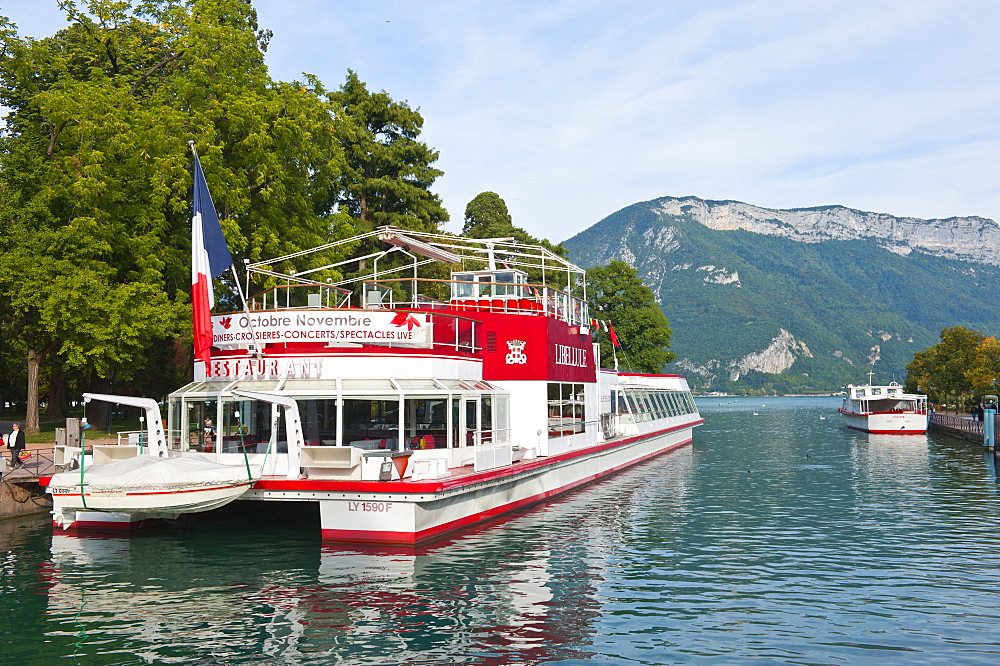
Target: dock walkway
20 492
960 425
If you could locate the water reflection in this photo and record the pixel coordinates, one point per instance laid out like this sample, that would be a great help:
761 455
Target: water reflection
780 537
525 587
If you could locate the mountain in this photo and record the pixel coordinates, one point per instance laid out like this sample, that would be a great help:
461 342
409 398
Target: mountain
805 299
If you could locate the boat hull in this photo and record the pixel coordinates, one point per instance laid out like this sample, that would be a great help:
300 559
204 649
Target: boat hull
107 510
887 424
410 513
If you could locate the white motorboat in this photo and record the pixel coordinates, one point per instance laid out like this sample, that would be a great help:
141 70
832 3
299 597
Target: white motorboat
147 486
884 410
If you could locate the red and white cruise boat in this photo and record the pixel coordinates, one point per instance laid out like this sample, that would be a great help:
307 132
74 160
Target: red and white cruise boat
409 402
884 410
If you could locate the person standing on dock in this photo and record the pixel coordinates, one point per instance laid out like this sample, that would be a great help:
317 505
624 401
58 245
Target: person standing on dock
15 442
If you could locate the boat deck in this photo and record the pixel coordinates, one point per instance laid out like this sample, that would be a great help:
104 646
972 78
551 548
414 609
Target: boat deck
455 478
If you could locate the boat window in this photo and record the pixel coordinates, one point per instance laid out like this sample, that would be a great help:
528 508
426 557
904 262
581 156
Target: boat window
639 403
566 411
418 385
668 404
177 431
618 402
319 421
501 417
485 286
456 439
462 287
425 421
237 435
662 405
675 404
654 405
300 386
507 285
486 418
633 408
200 425
663 398
371 423
368 385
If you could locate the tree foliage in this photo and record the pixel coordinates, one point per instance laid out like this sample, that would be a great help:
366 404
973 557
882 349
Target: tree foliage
963 362
388 173
486 216
619 297
95 175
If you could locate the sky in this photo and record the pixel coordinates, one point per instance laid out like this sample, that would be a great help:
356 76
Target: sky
573 109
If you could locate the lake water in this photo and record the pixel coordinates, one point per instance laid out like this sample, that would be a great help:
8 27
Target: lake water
779 537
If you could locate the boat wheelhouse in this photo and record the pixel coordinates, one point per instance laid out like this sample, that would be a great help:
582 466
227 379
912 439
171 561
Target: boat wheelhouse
884 410
431 383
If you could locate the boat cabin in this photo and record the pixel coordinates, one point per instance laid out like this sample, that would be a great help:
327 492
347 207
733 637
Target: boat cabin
399 360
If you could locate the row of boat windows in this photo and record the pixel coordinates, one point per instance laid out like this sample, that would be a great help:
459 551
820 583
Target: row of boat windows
368 423
479 286
376 423
649 404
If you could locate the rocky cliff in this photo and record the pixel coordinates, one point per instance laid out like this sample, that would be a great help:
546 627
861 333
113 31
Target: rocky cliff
964 238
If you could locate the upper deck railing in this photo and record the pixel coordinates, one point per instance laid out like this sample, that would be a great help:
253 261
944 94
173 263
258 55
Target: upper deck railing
487 275
429 294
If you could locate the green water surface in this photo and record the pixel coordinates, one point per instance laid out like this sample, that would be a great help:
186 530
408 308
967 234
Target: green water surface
779 537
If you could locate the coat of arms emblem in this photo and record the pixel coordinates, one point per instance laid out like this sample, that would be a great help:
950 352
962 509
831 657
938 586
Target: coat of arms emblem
516 355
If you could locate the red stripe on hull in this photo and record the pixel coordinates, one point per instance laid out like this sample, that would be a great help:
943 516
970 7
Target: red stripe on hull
412 538
890 432
158 492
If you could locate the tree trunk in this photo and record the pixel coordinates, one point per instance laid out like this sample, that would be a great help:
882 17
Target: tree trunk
56 407
31 425
97 411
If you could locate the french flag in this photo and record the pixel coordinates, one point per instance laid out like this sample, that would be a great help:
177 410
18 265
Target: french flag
209 259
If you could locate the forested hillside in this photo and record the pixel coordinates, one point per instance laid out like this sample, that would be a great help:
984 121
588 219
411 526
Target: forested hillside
756 311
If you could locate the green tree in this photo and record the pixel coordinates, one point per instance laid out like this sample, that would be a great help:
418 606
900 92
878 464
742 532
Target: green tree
388 172
486 216
984 372
949 368
619 297
95 171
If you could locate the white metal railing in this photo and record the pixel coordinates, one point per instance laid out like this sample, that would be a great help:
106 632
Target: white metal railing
496 451
132 437
301 296
527 299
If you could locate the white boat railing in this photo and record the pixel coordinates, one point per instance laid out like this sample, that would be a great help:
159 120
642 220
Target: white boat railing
134 438
496 451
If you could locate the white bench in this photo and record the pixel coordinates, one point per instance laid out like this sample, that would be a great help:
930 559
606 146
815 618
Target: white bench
331 462
109 453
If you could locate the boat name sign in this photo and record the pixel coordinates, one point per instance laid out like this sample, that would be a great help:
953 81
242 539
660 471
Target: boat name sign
331 327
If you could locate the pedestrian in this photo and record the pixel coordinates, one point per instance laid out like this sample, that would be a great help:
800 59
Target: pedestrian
15 442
